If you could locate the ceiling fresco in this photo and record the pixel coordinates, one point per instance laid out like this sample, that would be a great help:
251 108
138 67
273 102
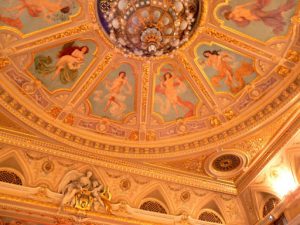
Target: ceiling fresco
226 71
189 105
114 98
60 67
260 19
17 14
69 81
174 98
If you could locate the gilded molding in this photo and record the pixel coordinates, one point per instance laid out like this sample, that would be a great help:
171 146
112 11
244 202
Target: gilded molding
36 144
52 210
196 78
107 59
145 89
293 56
67 33
283 71
69 138
91 6
221 36
4 62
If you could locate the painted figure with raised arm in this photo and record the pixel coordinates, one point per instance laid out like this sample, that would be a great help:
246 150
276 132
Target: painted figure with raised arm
118 89
171 86
227 69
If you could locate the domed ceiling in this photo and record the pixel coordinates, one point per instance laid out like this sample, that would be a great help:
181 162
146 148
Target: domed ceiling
145 78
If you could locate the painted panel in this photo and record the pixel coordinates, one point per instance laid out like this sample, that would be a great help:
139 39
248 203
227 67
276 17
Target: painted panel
60 67
114 97
174 98
39 14
227 71
260 19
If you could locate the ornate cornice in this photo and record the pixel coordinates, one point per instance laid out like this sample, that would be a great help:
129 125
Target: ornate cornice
38 208
90 143
36 144
157 172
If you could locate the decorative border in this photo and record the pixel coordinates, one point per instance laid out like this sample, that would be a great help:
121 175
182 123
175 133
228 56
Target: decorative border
126 150
174 176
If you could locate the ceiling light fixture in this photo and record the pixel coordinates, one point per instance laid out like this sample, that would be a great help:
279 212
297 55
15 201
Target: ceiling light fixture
149 27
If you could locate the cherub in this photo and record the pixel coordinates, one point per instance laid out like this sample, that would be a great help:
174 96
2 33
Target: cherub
96 193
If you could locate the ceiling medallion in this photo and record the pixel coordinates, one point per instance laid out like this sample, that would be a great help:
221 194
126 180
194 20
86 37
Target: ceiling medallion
225 165
149 27
227 162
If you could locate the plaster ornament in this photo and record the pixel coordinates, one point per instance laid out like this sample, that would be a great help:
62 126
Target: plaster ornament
293 56
81 191
29 88
283 71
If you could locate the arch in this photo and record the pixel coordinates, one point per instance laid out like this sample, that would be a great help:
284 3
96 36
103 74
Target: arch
261 194
212 202
269 205
153 205
13 160
11 176
155 191
211 216
293 156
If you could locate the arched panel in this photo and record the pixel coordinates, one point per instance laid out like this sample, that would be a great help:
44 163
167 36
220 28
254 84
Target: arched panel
210 216
156 192
14 161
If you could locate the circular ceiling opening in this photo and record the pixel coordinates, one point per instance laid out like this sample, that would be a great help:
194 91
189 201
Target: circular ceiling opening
149 27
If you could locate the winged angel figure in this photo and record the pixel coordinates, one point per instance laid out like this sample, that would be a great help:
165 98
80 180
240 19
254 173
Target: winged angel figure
75 184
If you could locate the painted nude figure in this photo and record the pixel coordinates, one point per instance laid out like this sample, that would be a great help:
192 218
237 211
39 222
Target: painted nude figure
72 57
115 95
222 62
252 11
68 62
35 8
171 86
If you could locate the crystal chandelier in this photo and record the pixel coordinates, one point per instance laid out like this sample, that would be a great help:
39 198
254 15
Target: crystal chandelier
149 27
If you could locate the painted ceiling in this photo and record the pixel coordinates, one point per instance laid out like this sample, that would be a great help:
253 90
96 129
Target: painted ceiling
64 79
